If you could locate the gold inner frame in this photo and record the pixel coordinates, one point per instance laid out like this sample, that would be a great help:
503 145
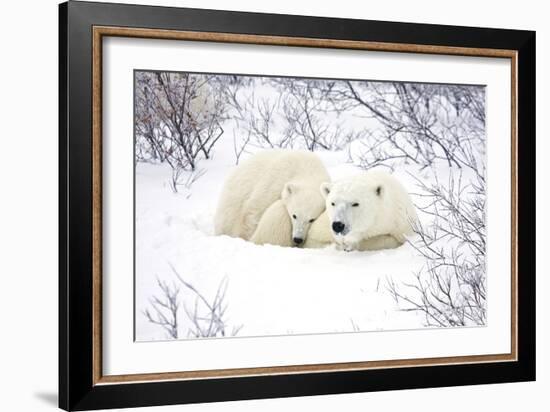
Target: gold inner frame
101 31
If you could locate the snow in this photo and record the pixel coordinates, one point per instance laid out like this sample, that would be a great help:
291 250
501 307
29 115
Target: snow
270 290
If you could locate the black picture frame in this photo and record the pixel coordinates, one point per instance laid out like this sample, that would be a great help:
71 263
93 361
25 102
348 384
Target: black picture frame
77 390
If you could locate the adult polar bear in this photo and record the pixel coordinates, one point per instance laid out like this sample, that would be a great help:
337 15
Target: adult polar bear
283 182
370 211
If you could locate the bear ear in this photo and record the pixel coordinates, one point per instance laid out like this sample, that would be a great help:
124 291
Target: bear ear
325 188
288 190
378 190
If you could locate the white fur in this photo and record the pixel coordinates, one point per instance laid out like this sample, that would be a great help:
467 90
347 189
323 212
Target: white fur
290 178
275 227
374 208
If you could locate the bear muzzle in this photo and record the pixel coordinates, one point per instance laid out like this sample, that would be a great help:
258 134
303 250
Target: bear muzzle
338 227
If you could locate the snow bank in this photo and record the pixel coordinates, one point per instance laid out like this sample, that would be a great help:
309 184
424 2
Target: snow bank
270 290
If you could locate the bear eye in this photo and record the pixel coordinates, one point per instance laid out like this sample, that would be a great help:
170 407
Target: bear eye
355 204
311 220
332 203
293 216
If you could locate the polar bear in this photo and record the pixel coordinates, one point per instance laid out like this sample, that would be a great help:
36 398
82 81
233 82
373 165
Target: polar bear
283 183
370 211
275 227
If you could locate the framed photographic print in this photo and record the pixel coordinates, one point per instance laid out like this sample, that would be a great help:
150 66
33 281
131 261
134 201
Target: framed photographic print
256 205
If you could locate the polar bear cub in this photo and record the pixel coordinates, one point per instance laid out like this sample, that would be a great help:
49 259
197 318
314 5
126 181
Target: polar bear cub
370 211
272 197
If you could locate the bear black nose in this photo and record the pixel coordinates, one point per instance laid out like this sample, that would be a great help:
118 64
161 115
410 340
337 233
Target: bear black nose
298 240
338 227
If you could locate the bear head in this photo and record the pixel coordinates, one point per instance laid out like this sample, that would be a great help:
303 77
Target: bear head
353 206
304 204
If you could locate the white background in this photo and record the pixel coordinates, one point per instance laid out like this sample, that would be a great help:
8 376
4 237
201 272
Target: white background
28 218
123 356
